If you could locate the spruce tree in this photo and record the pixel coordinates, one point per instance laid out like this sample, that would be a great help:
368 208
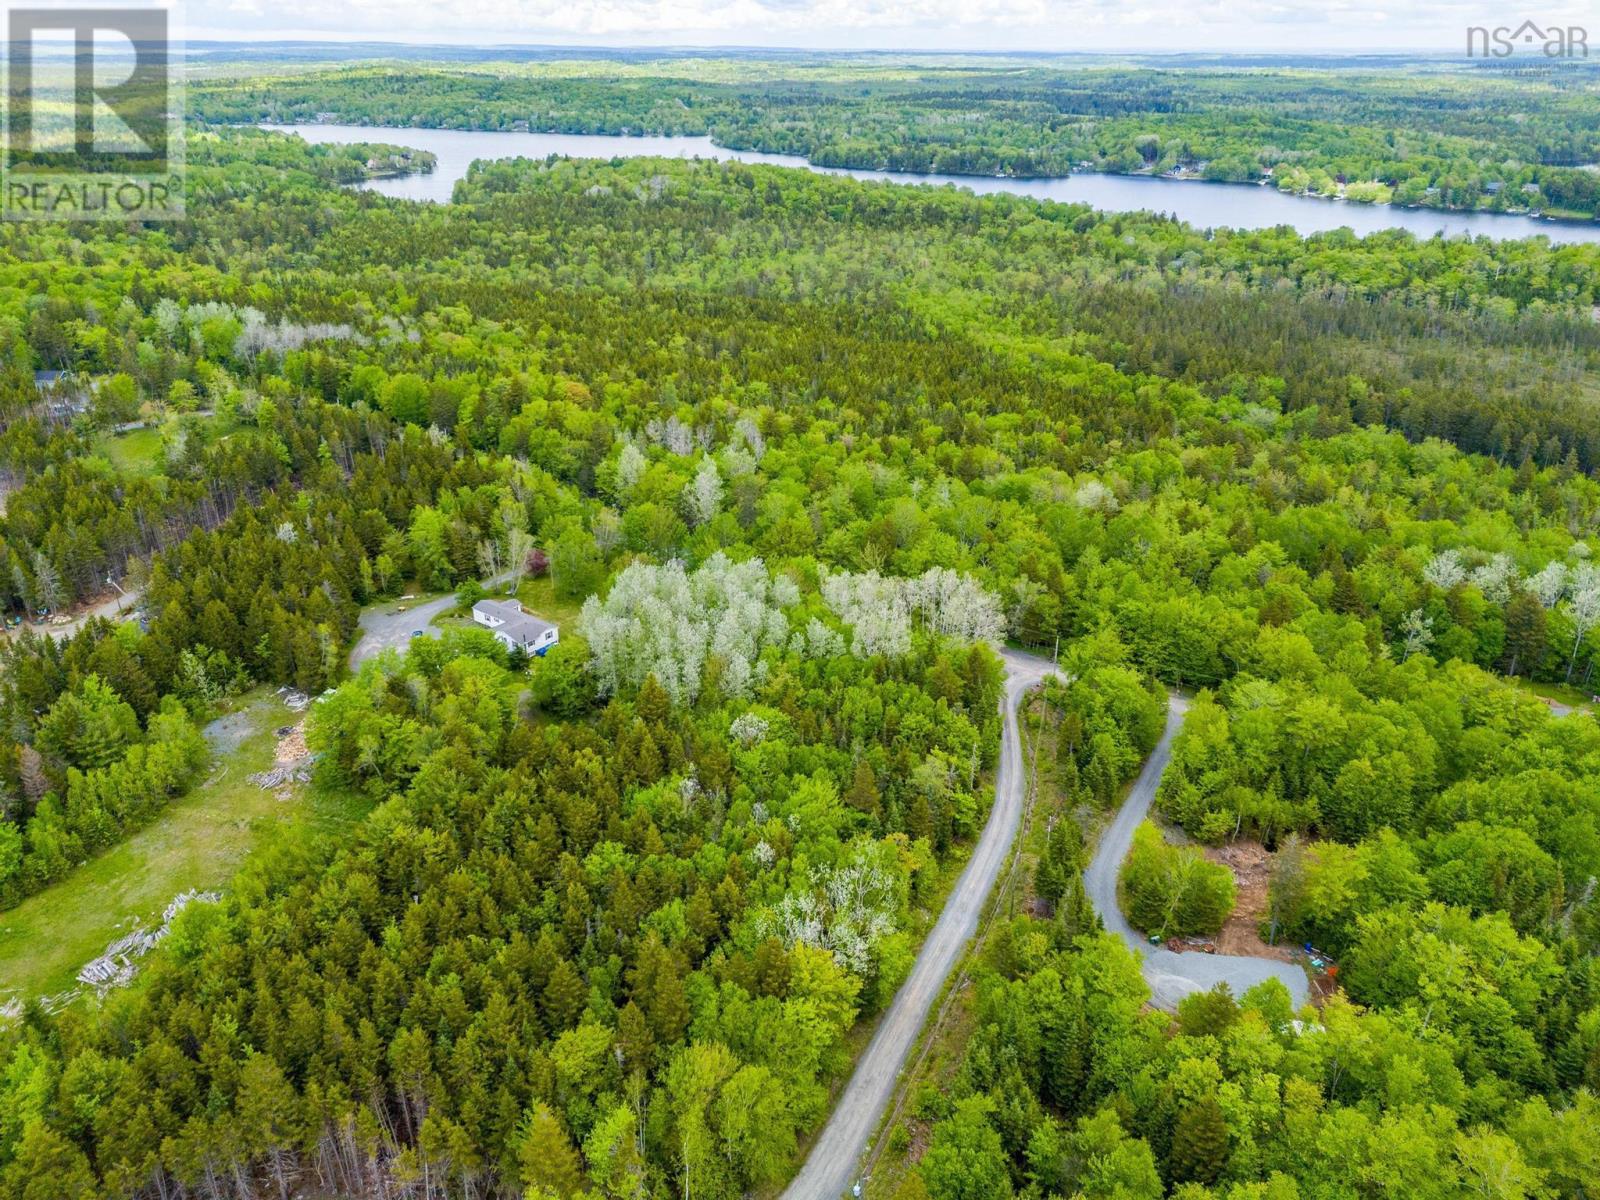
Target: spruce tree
1199 1143
1066 1052
546 1156
863 794
1075 914
564 996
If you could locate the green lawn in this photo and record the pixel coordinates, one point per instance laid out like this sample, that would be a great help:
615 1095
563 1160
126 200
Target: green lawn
139 452
198 842
133 454
1573 697
538 596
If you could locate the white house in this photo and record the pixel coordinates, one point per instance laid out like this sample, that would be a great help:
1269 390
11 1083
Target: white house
506 620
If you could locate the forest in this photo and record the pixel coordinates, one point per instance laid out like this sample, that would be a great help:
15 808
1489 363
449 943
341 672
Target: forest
1448 135
802 452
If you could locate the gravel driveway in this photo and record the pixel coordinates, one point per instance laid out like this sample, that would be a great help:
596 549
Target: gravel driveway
384 627
830 1169
1171 976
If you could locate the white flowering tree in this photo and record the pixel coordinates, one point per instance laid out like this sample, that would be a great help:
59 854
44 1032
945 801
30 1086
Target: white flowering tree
666 622
748 729
1550 584
703 496
631 463
847 910
672 435
1445 570
1584 610
1094 496
167 315
875 607
259 335
1573 590
1416 632
955 605
1494 578
880 609
750 433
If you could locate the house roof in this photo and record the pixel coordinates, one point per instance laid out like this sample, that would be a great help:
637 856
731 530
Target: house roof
524 627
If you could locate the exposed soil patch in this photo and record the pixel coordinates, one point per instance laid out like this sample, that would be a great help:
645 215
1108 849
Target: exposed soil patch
228 732
1251 864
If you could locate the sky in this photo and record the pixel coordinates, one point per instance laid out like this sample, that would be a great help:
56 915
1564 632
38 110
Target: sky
1305 26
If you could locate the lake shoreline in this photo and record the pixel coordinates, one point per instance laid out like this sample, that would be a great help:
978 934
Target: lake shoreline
1105 191
1579 221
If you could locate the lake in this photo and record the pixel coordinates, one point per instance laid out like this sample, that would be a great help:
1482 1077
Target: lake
1204 205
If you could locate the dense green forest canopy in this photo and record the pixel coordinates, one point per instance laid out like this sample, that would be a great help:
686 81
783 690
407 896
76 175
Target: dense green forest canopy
1461 137
1342 488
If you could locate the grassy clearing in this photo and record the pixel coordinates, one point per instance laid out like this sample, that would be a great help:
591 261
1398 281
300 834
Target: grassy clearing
197 842
538 596
140 453
134 454
1572 697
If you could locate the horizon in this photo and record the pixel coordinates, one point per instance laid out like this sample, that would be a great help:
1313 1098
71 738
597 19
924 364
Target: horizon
720 48
1037 28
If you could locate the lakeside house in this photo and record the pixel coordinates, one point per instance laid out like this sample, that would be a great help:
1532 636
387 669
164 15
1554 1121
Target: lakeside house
514 627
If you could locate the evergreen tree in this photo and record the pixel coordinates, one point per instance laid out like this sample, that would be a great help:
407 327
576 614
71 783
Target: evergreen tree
1065 1047
1525 635
47 591
48 1167
1075 914
1061 860
545 1156
863 794
564 996
1199 1143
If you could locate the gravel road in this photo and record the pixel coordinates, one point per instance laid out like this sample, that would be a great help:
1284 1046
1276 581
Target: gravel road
1171 976
115 609
831 1167
385 628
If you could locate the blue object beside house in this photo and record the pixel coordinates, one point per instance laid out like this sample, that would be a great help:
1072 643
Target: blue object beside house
514 627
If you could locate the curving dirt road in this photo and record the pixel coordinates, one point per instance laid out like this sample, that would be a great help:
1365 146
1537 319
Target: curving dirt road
831 1167
1171 976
